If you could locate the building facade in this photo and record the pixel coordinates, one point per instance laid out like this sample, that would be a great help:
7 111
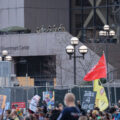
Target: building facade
81 18
44 53
42 56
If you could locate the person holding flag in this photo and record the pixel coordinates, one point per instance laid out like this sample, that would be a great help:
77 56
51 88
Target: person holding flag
97 72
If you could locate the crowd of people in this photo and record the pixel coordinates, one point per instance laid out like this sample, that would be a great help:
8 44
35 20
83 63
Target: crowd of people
71 111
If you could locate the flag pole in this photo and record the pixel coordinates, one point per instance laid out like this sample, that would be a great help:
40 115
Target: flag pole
107 78
108 85
115 93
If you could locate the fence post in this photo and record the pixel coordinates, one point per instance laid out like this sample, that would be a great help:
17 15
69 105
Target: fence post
69 89
46 86
115 93
109 93
37 90
27 98
79 93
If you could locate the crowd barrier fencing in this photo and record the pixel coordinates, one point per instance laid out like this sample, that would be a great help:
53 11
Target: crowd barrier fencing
24 94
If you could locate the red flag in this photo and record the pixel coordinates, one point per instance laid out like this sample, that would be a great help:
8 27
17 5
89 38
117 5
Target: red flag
98 71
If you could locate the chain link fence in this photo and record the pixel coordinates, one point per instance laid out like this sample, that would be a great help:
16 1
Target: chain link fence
23 94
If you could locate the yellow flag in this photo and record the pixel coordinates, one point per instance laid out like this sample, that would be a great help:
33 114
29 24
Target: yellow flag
101 99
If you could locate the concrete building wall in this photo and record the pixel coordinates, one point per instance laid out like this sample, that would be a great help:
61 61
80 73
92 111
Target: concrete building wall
46 12
52 43
11 13
34 13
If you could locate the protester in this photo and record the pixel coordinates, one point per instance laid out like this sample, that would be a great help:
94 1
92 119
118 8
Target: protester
7 115
30 117
83 118
71 112
56 112
14 116
27 118
60 107
78 104
119 103
83 112
115 114
107 116
44 107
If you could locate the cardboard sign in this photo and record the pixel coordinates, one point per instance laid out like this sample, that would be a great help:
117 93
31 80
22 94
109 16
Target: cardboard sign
49 97
34 102
18 105
88 100
2 101
33 108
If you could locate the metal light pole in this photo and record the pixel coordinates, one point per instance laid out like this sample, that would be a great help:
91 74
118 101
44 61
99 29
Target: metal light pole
74 64
4 57
107 34
71 51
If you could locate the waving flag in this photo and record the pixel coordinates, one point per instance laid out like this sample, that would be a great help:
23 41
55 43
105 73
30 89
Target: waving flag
98 71
101 100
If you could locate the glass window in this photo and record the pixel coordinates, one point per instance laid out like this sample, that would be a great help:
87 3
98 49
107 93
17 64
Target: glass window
82 3
78 3
87 19
38 67
78 20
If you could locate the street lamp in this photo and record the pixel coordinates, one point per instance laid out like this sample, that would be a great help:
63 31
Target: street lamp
107 34
8 58
71 51
83 50
74 41
5 56
106 27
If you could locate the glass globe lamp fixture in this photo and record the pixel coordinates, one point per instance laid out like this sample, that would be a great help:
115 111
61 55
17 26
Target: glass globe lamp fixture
74 41
112 33
83 49
70 49
102 33
4 52
8 58
106 27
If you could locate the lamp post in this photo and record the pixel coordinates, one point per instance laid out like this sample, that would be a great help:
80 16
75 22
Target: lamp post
5 57
71 51
107 34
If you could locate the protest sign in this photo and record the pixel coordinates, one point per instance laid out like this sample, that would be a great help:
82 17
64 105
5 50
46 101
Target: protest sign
2 101
88 100
34 102
2 105
18 105
49 96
